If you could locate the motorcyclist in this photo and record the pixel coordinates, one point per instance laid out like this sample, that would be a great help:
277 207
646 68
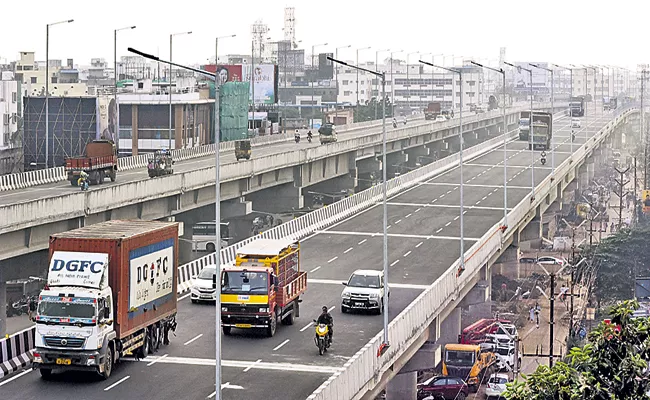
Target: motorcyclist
309 134
296 136
326 318
394 122
83 180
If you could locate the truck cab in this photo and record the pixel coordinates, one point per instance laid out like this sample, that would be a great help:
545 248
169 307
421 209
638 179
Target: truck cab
468 362
524 125
364 290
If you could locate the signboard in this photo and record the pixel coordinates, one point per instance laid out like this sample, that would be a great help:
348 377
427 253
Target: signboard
325 67
541 78
151 273
70 268
107 119
227 73
265 82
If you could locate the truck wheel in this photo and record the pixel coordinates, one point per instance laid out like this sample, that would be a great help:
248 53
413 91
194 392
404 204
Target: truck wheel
100 178
460 396
45 373
144 349
210 247
288 320
155 339
108 364
273 324
113 176
227 330
343 309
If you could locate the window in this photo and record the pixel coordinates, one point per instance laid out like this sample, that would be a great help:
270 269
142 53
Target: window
33 79
55 79
362 92
345 82
13 97
347 93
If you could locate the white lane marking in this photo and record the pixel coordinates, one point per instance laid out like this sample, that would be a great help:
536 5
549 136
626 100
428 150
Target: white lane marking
448 191
405 254
331 308
184 296
161 357
309 324
448 223
474 185
348 250
418 210
388 227
393 285
456 218
243 364
252 365
434 200
442 195
117 383
398 221
315 269
418 245
363 241
193 339
408 215
394 262
276 348
439 230
444 206
332 259
13 378
484 197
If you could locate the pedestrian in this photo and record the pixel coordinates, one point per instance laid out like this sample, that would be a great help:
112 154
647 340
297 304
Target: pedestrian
538 310
532 314
32 308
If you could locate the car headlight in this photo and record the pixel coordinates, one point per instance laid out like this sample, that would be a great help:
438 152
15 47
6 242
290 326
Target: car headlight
345 295
224 309
374 295
264 309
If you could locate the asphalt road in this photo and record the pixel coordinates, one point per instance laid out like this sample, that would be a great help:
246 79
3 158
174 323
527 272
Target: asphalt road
423 243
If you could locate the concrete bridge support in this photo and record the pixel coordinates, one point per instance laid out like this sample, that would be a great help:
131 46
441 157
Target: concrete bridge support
395 161
281 198
418 156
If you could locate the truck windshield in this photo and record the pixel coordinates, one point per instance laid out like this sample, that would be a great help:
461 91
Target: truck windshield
523 122
66 310
460 358
235 282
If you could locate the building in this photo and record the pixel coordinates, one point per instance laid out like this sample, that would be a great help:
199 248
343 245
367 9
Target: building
10 118
64 79
354 86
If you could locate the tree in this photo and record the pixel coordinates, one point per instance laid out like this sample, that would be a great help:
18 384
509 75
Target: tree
611 366
366 112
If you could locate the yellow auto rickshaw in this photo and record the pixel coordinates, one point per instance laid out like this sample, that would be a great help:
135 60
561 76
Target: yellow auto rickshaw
243 149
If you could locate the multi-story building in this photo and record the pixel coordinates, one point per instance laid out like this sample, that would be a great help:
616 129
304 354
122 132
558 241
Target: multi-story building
63 79
10 123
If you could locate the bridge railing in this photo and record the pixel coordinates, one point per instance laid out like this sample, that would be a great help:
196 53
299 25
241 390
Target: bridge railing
57 174
365 368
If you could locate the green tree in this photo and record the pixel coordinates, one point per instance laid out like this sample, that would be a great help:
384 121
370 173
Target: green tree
366 112
611 365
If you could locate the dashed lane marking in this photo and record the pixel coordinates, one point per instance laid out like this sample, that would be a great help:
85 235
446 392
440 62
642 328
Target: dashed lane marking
333 258
401 235
157 359
193 339
393 285
362 242
418 245
315 269
251 366
117 383
394 262
407 253
445 206
278 347
348 250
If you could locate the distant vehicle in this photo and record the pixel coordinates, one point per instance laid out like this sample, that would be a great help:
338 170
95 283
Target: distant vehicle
492 103
576 123
202 289
468 362
478 332
160 164
99 162
449 114
496 385
327 133
524 125
441 118
609 103
432 111
542 131
243 149
445 387
550 260
506 357
577 106
204 236
527 260
504 335
364 291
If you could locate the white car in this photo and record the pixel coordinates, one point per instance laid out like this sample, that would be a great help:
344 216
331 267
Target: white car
441 118
364 290
506 357
505 335
496 385
202 289
576 123
551 260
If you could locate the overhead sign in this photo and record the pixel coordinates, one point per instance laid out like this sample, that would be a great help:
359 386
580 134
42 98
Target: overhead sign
151 273
70 268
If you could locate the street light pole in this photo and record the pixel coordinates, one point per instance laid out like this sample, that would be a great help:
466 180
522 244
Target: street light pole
358 50
408 83
384 346
530 134
433 77
313 89
570 96
171 37
336 71
505 145
392 83
377 80
460 158
552 111
217 394
115 76
47 91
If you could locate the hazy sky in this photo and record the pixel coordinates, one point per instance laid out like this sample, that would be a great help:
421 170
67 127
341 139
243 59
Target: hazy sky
559 31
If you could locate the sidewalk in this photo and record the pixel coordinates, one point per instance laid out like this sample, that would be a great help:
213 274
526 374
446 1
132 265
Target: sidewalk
536 340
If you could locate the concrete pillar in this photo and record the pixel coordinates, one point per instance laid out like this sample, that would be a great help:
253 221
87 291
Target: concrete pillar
368 165
278 199
3 302
134 129
403 387
591 170
235 208
178 125
395 160
583 177
450 327
531 235
418 156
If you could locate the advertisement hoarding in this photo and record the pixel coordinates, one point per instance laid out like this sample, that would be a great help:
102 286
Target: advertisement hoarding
107 119
541 78
325 67
227 73
265 82
151 273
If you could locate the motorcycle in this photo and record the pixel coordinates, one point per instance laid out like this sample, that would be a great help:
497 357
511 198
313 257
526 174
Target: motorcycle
322 338
297 138
309 139
394 124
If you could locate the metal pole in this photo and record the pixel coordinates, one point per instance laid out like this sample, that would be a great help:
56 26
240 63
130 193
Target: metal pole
313 109
552 321
47 96
505 158
385 207
460 157
532 147
253 83
336 71
357 104
551 133
170 93
217 213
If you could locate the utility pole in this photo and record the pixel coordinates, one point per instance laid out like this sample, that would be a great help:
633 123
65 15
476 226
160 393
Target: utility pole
621 186
636 182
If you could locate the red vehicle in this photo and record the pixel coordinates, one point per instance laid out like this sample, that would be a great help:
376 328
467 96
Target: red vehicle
100 161
432 111
477 332
443 387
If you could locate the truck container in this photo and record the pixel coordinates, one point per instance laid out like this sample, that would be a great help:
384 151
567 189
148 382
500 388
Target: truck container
577 106
263 287
99 162
524 125
542 131
432 111
110 293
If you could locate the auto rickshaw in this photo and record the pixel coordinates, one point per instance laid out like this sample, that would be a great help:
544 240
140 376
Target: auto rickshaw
160 164
243 149
327 133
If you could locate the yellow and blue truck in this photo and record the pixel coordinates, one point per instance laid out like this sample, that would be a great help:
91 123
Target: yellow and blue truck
263 287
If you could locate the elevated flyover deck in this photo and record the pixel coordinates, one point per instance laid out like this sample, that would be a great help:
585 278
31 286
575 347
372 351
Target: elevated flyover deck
423 244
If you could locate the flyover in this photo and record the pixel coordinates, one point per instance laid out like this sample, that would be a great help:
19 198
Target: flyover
278 170
423 249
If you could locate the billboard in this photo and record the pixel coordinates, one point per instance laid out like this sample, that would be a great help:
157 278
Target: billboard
265 84
227 73
107 119
541 78
325 67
